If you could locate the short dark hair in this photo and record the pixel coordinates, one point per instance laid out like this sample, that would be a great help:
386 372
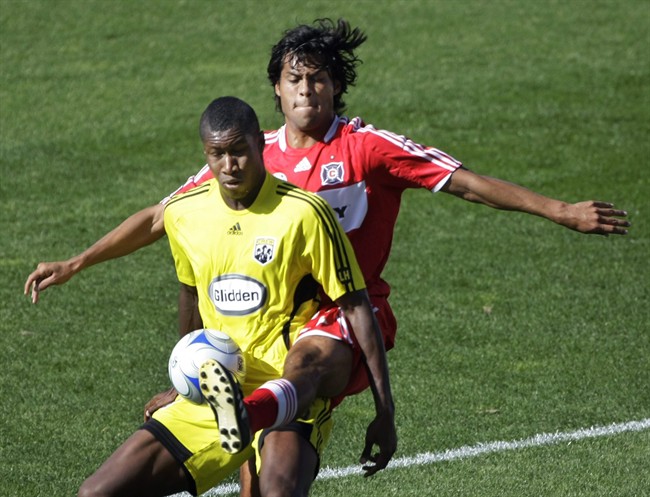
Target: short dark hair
326 45
226 113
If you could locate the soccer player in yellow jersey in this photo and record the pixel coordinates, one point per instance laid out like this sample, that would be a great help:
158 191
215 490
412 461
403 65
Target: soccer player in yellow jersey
254 252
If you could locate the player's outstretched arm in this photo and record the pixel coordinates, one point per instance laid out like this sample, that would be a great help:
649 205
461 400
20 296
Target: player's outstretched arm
140 229
591 217
381 431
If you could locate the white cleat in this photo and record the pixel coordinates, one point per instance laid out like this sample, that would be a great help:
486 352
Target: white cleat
223 393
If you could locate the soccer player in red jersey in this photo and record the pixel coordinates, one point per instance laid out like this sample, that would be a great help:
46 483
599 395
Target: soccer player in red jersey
361 171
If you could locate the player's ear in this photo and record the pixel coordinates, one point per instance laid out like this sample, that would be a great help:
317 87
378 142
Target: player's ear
276 86
337 87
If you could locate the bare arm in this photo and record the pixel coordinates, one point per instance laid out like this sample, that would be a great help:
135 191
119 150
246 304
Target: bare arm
189 319
357 309
593 217
140 229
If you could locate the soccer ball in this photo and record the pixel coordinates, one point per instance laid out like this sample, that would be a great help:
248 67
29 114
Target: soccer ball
193 350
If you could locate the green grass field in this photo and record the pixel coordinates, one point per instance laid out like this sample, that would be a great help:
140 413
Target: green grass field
510 326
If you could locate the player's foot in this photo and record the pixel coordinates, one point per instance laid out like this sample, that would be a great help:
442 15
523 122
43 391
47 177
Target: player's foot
223 393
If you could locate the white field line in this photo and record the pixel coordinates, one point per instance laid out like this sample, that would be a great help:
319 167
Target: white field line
466 452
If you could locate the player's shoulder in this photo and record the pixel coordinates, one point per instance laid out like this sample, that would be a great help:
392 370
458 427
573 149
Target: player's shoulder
190 198
359 128
383 141
204 174
354 126
292 193
271 136
358 131
299 199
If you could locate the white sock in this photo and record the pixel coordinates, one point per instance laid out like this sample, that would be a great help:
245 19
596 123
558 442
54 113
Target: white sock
287 398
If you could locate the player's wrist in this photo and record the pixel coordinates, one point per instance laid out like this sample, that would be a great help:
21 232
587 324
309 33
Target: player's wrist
561 214
384 404
76 263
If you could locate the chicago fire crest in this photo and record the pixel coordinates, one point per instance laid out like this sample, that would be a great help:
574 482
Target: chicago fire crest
332 173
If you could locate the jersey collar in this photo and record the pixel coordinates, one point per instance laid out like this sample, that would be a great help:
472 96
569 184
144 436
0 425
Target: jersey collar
329 136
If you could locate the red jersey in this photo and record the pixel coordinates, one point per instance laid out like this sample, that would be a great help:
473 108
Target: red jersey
362 172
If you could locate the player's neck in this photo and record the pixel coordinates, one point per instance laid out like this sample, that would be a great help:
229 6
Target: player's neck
300 138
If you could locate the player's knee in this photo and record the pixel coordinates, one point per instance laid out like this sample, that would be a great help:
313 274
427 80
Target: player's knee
86 491
320 354
324 363
92 488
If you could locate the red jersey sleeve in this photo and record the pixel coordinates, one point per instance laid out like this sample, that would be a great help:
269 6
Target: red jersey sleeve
409 164
204 174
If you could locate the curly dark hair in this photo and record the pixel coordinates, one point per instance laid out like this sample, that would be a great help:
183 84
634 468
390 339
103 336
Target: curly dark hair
325 45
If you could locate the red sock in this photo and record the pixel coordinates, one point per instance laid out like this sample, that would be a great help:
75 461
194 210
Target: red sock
273 404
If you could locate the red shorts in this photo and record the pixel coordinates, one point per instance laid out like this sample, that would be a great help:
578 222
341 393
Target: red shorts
330 321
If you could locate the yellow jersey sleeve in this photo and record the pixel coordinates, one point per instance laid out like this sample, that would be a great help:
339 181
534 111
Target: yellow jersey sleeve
329 253
177 226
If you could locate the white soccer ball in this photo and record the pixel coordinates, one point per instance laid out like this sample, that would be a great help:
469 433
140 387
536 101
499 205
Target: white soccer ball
193 350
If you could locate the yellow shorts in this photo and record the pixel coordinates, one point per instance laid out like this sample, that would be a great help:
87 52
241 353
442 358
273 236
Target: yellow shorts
315 427
189 431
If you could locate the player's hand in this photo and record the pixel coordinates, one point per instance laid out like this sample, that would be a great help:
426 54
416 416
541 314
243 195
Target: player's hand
382 433
159 400
594 217
47 274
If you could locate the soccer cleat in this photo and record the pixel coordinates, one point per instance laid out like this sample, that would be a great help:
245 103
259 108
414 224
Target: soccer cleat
223 393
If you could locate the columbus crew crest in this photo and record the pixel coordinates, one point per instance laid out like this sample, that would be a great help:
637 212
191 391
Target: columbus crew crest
264 250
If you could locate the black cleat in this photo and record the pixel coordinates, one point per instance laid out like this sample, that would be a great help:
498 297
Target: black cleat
223 393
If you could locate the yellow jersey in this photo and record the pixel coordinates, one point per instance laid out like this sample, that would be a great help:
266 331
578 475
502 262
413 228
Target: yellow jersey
258 271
